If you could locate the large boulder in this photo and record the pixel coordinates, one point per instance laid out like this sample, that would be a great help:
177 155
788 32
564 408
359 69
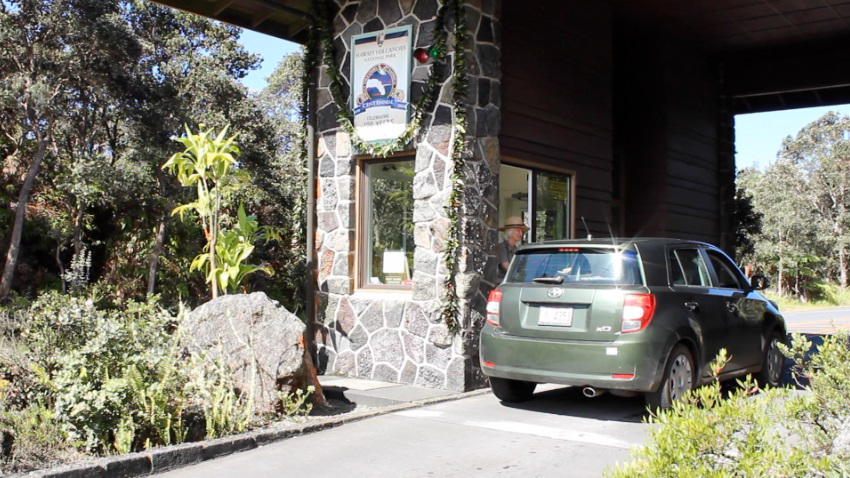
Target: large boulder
247 330
841 444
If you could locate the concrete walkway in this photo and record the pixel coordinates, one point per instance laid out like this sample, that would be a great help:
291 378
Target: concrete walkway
372 393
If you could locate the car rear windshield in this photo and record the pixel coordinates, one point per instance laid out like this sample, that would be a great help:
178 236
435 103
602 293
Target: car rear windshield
602 266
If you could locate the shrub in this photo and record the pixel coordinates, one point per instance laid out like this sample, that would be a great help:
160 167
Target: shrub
745 434
31 438
109 374
104 380
821 415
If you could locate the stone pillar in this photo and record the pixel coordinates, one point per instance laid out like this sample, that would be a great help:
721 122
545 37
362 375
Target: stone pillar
399 337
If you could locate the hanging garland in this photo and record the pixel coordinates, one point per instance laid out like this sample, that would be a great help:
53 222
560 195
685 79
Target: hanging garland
460 83
451 308
345 115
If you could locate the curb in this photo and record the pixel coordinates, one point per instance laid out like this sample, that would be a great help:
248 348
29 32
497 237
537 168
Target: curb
167 458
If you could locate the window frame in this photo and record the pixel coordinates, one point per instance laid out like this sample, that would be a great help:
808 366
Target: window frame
361 185
743 284
535 168
700 252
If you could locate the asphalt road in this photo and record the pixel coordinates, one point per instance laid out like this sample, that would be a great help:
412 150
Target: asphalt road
558 433
818 321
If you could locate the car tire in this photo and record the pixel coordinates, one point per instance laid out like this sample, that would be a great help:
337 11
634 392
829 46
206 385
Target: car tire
772 363
678 378
512 390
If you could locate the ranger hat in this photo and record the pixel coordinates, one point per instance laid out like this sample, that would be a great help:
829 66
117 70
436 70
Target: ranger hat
514 221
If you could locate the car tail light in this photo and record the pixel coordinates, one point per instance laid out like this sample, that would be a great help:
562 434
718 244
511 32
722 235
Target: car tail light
637 312
493 303
622 376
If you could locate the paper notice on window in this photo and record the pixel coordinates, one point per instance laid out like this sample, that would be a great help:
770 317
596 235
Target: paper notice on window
557 189
394 262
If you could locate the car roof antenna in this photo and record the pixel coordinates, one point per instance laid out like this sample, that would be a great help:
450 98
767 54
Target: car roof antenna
589 237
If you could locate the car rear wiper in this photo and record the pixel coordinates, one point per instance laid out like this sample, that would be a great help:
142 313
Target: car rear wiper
549 280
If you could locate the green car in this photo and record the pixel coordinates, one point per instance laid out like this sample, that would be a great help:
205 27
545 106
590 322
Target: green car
627 316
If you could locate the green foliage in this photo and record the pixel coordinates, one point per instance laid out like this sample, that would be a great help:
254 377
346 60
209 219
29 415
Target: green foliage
295 404
36 438
127 76
233 249
773 433
76 376
104 367
224 410
208 163
804 198
820 414
747 224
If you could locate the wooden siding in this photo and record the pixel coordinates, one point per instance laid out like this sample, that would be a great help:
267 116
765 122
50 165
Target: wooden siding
667 127
557 96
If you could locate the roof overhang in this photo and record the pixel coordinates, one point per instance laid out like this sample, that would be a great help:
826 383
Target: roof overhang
775 54
286 19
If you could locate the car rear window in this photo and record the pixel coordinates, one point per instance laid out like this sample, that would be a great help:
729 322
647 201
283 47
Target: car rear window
602 266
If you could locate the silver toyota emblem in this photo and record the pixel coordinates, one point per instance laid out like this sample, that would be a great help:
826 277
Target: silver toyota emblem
555 292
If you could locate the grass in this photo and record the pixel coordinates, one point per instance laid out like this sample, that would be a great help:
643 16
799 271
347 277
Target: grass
829 295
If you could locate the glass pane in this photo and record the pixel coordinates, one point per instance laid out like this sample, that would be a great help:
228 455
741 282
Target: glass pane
389 223
696 273
552 207
578 266
676 276
725 275
514 184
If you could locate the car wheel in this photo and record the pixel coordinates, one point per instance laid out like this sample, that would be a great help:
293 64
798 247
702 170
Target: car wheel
772 364
678 378
512 390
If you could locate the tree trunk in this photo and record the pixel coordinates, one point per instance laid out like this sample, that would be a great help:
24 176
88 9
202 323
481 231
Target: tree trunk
157 249
20 213
61 266
160 232
842 264
213 239
78 230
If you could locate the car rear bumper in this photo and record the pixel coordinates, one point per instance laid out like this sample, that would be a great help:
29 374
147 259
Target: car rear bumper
618 365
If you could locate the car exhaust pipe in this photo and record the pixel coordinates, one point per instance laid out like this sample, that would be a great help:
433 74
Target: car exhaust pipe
591 392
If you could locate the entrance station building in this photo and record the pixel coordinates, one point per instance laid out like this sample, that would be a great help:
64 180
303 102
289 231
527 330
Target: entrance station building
614 114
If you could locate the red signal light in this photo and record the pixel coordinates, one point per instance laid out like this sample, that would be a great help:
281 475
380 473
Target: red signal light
493 304
637 312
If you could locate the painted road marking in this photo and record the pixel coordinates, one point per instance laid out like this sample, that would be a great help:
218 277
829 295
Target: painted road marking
551 432
525 429
419 413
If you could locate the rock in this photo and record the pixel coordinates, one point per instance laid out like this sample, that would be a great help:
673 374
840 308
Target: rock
253 334
841 444
430 377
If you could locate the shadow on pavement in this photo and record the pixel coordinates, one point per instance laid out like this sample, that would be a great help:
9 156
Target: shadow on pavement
569 401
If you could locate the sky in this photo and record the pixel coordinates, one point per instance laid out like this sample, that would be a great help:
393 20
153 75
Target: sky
758 136
271 49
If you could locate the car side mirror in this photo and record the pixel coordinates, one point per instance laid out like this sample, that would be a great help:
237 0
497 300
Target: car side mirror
760 282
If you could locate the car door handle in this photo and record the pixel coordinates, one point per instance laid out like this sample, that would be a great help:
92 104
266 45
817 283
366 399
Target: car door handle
692 306
731 307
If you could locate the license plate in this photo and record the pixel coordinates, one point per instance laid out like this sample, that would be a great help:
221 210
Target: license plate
556 316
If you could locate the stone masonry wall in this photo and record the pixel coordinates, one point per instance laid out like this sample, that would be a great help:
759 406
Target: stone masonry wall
398 336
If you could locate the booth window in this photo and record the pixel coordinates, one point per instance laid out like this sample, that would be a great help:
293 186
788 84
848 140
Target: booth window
386 253
543 200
